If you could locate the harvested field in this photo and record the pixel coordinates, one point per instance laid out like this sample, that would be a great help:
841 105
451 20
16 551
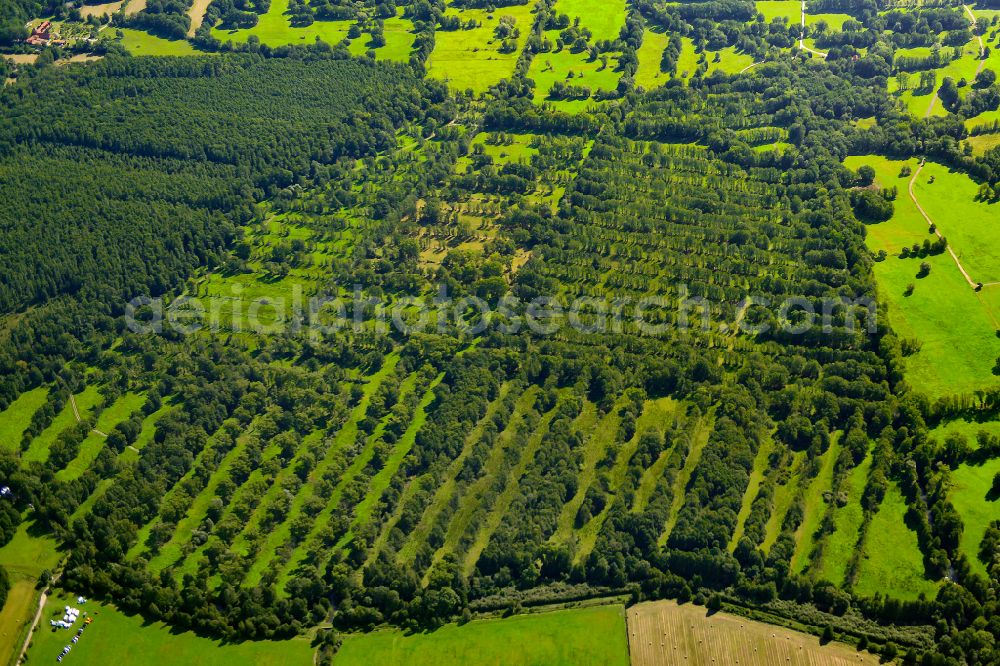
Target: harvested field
662 633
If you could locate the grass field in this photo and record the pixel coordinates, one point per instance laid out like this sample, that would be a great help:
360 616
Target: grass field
17 417
772 9
970 429
963 67
649 75
117 638
471 59
142 43
983 143
86 400
783 496
548 68
24 558
843 541
663 632
594 635
834 21
970 494
893 564
604 18
760 468
954 324
274 29
814 509
698 441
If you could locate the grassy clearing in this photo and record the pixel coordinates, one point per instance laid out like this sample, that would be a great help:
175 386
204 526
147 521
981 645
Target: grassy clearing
141 43
729 60
649 74
471 59
760 469
17 417
86 400
969 225
814 508
594 635
91 447
24 558
970 494
115 637
572 68
274 29
893 564
842 542
663 632
963 67
835 22
969 429
786 9
604 18
984 142
954 325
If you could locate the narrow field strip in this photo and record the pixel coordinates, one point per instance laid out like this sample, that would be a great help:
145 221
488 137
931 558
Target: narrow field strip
357 465
784 494
17 417
814 508
499 509
281 535
90 448
471 498
847 522
593 450
653 412
140 543
647 484
170 552
753 487
699 438
382 479
447 487
86 400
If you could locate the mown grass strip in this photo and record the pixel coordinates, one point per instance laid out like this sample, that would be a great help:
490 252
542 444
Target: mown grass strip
699 439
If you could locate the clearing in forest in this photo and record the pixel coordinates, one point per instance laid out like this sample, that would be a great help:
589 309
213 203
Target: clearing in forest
973 497
893 564
650 54
847 520
90 448
476 58
274 29
17 417
591 635
663 632
815 507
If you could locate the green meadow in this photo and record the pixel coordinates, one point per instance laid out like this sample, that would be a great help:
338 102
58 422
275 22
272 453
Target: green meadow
972 498
91 447
604 18
954 324
114 637
274 29
24 557
142 43
847 520
787 9
892 563
17 417
594 635
86 400
649 75
471 59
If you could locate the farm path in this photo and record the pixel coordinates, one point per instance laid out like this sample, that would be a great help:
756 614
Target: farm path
937 229
42 598
802 35
79 419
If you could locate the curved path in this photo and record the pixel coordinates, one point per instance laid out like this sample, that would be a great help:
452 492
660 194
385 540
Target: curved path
937 230
802 35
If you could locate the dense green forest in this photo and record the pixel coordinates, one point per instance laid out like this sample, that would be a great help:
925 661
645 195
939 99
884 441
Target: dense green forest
256 482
